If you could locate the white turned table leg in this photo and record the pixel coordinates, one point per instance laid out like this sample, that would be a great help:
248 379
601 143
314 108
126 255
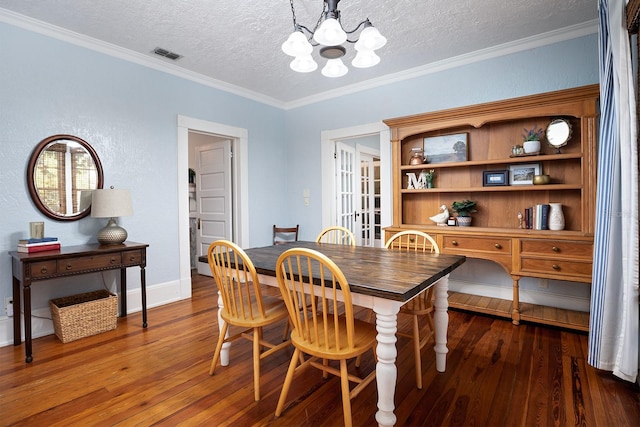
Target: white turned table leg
224 353
441 320
386 371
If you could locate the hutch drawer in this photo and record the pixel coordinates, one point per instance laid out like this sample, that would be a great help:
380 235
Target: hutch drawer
573 270
557 248
457 243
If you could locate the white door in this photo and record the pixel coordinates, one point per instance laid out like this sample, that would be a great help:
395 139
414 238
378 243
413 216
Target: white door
213 184
346 175
368 201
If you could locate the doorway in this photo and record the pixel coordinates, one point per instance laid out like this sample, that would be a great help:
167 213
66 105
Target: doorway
330 175
238 138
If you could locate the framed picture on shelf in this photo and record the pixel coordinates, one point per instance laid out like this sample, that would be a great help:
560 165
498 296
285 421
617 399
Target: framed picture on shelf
522 174
446 148
495 178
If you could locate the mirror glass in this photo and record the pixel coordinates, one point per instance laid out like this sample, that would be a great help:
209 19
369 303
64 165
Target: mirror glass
62 172
558 133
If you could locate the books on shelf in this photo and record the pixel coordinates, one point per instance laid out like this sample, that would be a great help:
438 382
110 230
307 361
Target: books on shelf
537 217
39 245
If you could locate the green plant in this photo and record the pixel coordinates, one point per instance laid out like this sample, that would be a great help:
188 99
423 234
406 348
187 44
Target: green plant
192 175
430 175
533 134
464 208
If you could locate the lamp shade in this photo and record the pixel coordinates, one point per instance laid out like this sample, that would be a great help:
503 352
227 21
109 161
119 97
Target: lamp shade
303 64
110 203
370 39
365 59
330 33
334 68
297 45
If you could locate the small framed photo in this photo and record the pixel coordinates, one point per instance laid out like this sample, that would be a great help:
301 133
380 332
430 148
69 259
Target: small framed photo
446 148
522 174
495 178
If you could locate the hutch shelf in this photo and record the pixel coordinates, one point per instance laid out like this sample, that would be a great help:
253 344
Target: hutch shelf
491 130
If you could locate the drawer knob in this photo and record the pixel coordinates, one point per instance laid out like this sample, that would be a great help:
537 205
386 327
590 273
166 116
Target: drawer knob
555 249
498 246
555 267
68 266
43 270
132 258
454 242
112 260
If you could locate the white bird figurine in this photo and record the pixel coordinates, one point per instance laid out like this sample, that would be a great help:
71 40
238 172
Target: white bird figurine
441 218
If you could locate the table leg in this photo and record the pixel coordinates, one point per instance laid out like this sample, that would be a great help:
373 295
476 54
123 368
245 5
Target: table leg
17 328
441 321
143 290
123 292
386 370
224 352
26 293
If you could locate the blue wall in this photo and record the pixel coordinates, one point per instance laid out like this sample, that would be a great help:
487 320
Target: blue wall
128 112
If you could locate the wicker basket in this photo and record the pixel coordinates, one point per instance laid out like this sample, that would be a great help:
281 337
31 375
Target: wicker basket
83 315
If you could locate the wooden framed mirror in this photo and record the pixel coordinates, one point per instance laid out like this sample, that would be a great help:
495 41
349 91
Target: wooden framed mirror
62 172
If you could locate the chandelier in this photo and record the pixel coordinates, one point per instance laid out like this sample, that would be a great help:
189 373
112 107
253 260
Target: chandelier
329 34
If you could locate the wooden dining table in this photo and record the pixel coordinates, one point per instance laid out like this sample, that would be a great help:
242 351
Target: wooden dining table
382 280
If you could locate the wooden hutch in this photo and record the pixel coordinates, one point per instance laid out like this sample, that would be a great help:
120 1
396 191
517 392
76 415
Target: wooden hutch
492 129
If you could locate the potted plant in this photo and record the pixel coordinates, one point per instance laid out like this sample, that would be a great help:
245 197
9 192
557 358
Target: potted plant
531 138
428 177
463 209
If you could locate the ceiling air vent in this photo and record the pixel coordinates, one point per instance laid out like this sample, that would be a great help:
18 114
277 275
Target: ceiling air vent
167 54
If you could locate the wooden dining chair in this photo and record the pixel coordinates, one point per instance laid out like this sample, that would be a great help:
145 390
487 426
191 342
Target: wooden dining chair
422 305
285 234
243 304
319 330
337 235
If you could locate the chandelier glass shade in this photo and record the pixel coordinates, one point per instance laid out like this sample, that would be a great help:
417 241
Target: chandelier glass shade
330 35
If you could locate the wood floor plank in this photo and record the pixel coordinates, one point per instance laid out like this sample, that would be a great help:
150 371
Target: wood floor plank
498 374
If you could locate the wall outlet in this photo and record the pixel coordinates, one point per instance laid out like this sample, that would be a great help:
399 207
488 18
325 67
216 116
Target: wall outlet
543 283
8 306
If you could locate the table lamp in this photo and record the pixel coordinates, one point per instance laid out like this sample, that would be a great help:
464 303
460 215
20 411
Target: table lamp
111 203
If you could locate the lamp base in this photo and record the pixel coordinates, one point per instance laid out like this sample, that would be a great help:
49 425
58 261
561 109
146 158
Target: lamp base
112 234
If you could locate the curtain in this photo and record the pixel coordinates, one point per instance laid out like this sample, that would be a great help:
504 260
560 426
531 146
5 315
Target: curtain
613 329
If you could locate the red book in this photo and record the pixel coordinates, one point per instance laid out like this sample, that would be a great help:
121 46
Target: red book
41 248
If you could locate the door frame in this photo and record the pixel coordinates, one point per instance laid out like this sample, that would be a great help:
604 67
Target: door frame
240 188
327 165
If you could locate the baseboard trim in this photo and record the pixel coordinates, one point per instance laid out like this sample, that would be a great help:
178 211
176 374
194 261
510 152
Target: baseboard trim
41 324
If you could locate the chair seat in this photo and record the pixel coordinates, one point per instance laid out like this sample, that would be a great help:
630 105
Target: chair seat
274 310
364 339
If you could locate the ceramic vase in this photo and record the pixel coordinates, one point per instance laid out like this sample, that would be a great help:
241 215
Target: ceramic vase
556 217
531 147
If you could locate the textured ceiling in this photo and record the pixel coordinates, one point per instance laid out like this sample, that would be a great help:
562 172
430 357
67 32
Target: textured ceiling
237 42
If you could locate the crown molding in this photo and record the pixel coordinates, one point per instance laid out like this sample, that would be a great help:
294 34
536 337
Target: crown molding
568 33
91 43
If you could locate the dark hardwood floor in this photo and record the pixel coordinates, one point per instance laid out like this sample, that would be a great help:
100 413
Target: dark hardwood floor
497 374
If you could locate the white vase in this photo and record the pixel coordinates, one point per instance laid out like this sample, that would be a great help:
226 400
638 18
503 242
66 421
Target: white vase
556 217
531 147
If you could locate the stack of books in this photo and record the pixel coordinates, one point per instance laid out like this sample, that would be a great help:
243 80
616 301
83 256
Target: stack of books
39 245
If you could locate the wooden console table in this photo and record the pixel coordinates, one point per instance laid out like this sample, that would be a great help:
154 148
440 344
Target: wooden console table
71 261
